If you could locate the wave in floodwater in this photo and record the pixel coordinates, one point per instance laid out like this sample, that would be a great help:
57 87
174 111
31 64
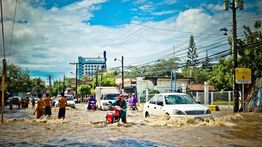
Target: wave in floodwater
226 120
87 128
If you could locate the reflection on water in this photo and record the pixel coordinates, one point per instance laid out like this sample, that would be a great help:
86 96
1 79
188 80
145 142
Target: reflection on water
86 128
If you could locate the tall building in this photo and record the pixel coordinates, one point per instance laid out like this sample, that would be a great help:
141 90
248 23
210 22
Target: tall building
90 66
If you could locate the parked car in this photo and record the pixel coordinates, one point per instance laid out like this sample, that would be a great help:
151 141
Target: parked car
70 101
107 99
14 100
174 105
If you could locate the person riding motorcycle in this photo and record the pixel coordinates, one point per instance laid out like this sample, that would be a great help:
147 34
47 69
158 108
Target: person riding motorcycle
91 103
121 102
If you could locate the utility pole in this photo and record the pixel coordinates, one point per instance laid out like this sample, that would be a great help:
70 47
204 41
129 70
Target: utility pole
3 67
64 86
236 4
122 64
96 76
50 82
76 64
3 89
174 53
122 75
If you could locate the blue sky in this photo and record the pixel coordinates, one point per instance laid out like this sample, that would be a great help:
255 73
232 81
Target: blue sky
49 34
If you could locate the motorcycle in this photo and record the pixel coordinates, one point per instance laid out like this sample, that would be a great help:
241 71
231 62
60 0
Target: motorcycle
91 105
113 115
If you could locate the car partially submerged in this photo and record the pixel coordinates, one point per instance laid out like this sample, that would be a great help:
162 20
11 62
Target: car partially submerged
175 105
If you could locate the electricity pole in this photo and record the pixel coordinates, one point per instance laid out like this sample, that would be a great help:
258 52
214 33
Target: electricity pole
236 4
3 67
49 79
122 75
64 86
76 64
122 64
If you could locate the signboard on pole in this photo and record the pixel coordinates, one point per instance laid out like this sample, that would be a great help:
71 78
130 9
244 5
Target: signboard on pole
243 75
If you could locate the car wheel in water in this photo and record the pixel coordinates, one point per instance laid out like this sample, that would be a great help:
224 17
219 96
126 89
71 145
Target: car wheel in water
147 114
166 116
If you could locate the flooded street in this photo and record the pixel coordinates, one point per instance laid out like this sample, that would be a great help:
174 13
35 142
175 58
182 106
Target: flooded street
85 128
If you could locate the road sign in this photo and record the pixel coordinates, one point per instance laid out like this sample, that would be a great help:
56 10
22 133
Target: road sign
243 75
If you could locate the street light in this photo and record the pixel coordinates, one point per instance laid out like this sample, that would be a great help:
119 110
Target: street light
122 65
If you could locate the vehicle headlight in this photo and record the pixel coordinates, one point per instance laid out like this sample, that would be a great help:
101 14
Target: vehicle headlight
178 112
208 111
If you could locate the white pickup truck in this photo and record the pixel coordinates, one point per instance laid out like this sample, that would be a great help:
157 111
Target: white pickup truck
106 95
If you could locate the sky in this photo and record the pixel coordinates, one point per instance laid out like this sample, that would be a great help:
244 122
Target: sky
46 35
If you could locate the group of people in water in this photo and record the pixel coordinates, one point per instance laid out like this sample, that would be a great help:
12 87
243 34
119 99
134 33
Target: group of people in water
44 106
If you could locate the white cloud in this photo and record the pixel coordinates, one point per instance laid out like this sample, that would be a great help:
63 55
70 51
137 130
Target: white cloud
164 12
193 20
213 7
53 38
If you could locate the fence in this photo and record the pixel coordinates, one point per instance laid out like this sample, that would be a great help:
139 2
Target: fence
223 99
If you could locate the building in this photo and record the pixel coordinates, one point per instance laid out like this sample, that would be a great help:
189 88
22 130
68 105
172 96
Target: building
90 66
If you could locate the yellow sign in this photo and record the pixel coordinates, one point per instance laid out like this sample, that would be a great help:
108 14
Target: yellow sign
243 75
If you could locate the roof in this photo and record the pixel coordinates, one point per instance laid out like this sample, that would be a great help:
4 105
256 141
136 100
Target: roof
200 87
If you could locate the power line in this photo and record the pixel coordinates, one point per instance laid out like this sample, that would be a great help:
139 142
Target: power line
164 29
13 29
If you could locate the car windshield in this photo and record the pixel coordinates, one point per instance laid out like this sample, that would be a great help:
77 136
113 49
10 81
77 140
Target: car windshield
69 97
110 96
178 99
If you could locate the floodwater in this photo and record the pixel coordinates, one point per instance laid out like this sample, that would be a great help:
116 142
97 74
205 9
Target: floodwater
86 128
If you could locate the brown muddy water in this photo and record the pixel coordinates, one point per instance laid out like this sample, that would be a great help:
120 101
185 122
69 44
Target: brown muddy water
85 128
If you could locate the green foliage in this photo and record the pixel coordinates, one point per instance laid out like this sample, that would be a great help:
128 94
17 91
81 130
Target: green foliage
18 80
106 79
199 75
57 88
192 53
68 82
221 75
160 68
249 56
84 89
250 50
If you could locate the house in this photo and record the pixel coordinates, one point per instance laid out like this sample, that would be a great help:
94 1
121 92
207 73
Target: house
194 88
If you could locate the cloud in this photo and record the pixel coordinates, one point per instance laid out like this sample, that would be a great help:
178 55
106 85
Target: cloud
49 39
164 12
192 20
213 7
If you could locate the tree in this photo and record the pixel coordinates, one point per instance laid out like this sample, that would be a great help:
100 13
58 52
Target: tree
221 75
200 75
57 87
17 79
250 50
249 56
192 53
162 67
106 79
83 90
